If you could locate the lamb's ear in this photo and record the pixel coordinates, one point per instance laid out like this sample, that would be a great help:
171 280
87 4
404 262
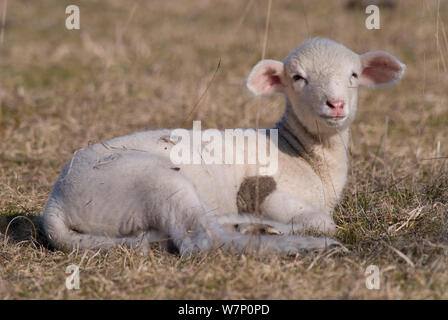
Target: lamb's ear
266 78
380 68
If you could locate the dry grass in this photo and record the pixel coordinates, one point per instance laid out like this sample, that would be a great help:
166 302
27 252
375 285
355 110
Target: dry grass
144 65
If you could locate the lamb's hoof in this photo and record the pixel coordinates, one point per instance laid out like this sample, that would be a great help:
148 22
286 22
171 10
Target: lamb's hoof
256 229
336 245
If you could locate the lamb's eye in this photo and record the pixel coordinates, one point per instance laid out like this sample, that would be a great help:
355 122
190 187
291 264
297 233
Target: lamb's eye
298 77
355 75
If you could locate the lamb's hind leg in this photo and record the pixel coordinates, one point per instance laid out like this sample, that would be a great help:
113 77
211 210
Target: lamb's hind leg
281 244
273 235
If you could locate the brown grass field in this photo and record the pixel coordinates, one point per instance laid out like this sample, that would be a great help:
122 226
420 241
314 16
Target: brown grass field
140 65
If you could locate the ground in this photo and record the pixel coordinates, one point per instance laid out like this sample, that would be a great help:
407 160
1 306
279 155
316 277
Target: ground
140 65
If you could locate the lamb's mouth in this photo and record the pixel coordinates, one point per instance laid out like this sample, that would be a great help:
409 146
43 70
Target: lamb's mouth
333 118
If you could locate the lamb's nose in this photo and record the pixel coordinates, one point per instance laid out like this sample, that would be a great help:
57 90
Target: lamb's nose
336 107
336 104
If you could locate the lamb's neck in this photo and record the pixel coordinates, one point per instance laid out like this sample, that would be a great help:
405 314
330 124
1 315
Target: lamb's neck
326 154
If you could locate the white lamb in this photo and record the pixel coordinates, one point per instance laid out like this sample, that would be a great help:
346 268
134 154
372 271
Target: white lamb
126 191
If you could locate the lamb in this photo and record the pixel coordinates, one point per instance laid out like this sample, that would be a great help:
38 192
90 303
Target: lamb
126 191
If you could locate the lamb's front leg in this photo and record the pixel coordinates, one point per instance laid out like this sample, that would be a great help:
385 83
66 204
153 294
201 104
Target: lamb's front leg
283 207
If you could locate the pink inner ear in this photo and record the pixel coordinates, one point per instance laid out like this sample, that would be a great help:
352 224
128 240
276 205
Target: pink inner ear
273 79
265 78
380 68
374 75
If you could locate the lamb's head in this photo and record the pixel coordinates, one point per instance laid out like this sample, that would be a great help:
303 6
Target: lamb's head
320 79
